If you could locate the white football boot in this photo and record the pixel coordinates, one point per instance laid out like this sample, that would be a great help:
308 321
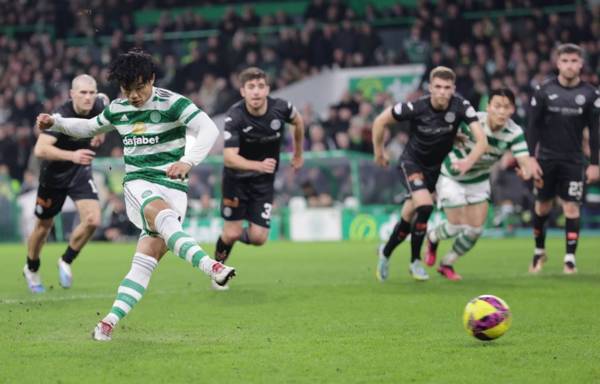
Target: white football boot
103 331
221 273
417 271
34 280
65 276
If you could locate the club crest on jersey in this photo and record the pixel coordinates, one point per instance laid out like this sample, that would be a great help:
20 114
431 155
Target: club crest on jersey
580 99
138 128
155 116
450 117
275 124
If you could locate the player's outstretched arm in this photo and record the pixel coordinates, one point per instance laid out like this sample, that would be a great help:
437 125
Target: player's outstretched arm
298 141
384 119
72 126
45 149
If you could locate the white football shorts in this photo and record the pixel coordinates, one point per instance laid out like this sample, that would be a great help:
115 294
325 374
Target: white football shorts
452 194
138 193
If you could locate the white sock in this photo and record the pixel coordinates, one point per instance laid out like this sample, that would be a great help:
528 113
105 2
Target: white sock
539 251
132 288
180 243
450 258
444 230
569 257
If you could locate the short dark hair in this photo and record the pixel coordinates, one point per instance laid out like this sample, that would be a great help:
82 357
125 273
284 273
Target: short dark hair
503 92
252 73
443 73
131 67
569 48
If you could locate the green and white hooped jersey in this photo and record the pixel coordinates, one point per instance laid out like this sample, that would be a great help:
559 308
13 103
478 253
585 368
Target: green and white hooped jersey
509 138
153 135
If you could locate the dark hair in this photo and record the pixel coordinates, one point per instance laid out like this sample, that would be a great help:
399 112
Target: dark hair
569 48
443 73
503 92
252 73
131 67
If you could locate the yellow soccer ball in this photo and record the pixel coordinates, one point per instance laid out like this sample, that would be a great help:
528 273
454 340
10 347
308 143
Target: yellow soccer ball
487 317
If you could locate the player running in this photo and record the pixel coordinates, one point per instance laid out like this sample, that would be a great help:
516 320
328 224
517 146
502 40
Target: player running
464 198
560 110
434 121
254 129
164 135
66 171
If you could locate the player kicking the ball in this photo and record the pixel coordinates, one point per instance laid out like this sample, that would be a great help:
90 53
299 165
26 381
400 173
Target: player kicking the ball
464 198
164 135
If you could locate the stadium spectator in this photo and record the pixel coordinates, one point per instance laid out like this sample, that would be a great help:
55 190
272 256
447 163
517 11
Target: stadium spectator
44 46
118 228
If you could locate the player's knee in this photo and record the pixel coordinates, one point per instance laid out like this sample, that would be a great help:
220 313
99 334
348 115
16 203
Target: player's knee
423 212
92 221
543 208
152 209
260 238
454 229
44 225
231 235
163 215
473 232
571 210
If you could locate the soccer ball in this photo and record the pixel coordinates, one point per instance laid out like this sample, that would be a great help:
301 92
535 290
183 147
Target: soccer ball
487 317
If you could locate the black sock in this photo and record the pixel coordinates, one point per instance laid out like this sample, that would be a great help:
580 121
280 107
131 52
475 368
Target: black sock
419 230
33 265
571 235
245 238
401 230
222 250
69 255
539 230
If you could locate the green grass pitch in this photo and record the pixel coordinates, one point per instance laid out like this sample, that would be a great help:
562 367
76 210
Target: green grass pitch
303 313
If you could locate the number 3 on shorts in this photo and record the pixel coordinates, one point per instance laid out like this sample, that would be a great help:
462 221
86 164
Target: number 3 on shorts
576 189
266 214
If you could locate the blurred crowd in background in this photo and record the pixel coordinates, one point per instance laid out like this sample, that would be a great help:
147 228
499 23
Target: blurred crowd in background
488 43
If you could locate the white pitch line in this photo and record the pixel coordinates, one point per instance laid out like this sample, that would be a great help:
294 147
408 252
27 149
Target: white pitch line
45 298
